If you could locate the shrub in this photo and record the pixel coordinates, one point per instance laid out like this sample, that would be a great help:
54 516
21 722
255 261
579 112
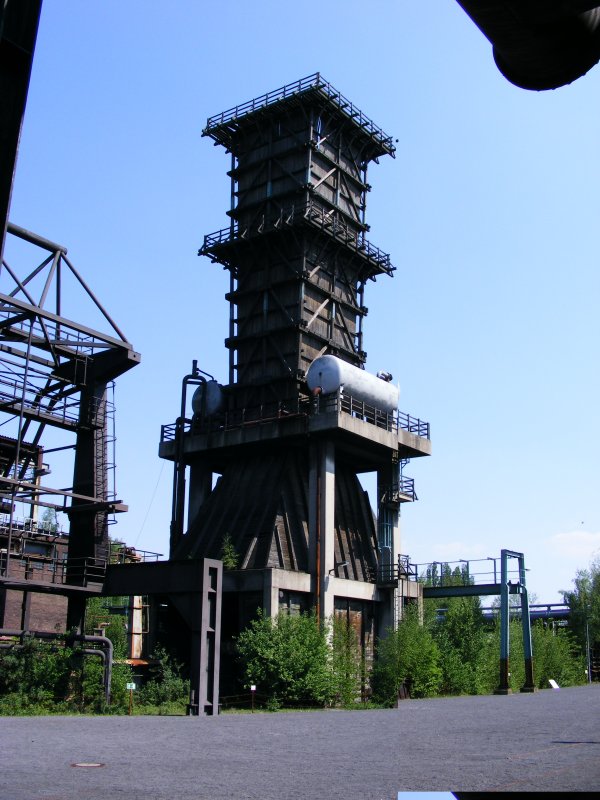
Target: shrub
460 638
288 658
40 677
407 656
555 655
348 669
165 685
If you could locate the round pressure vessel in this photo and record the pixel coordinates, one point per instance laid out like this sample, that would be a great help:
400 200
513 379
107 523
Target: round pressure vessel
330 374
207 399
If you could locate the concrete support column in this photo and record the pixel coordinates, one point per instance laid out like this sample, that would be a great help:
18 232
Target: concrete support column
270 594
136 626
322 524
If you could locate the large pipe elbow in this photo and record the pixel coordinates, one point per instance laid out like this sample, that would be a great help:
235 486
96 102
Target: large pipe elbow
539 44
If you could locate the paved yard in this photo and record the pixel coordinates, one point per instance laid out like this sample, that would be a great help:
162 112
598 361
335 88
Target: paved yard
546 741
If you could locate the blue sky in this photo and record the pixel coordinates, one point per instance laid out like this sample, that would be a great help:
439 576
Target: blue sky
425 796
489 212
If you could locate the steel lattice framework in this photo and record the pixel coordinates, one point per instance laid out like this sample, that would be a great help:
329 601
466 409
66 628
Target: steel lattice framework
296 247
56 373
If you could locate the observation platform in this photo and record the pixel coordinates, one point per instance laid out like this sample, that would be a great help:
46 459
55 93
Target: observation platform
225 246
361 432
224 127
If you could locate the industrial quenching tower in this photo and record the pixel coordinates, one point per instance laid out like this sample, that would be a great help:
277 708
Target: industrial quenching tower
288 501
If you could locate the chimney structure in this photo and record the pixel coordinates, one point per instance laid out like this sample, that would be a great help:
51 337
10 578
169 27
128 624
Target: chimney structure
266 467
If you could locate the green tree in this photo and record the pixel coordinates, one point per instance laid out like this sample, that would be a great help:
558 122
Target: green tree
47 677
166 685
49 520
98 615
584 603
348 666
229 555
460 637
90 690
34 675
554 656
407 656
287 658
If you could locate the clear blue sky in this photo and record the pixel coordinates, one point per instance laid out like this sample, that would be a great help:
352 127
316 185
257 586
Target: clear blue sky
489 211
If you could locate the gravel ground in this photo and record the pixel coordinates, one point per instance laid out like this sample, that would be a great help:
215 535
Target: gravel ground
547 741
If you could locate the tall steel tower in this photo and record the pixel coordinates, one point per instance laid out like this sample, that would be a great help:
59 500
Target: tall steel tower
300 418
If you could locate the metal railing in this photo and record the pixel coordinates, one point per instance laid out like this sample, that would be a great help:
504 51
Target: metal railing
413 425
358 409
464 572
315 215
397 491
237 418
37 403
382 419
547 611
13 393
307 84
386 574
30 527
132 555
366 412
79 571
82 344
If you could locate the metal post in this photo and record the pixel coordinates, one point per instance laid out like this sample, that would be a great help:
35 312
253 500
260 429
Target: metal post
529 685
504 686
587 648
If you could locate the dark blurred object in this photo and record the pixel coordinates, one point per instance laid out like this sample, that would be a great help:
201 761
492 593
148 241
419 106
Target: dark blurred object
539 44
18 30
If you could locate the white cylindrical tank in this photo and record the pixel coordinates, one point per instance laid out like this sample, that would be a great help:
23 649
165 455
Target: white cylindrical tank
207 398
330 374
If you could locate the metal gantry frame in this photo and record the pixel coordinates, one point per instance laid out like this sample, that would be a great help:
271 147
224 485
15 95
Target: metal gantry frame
503 588
504 685
56 373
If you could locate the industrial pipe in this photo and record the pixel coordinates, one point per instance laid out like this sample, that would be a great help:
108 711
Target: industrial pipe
103 641
178 501
539 44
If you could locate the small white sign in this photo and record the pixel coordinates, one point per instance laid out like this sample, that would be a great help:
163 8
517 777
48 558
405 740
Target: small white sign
553 684
131 686
253 687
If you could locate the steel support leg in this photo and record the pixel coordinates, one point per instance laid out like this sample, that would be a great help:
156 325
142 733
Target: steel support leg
504 684
529 685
